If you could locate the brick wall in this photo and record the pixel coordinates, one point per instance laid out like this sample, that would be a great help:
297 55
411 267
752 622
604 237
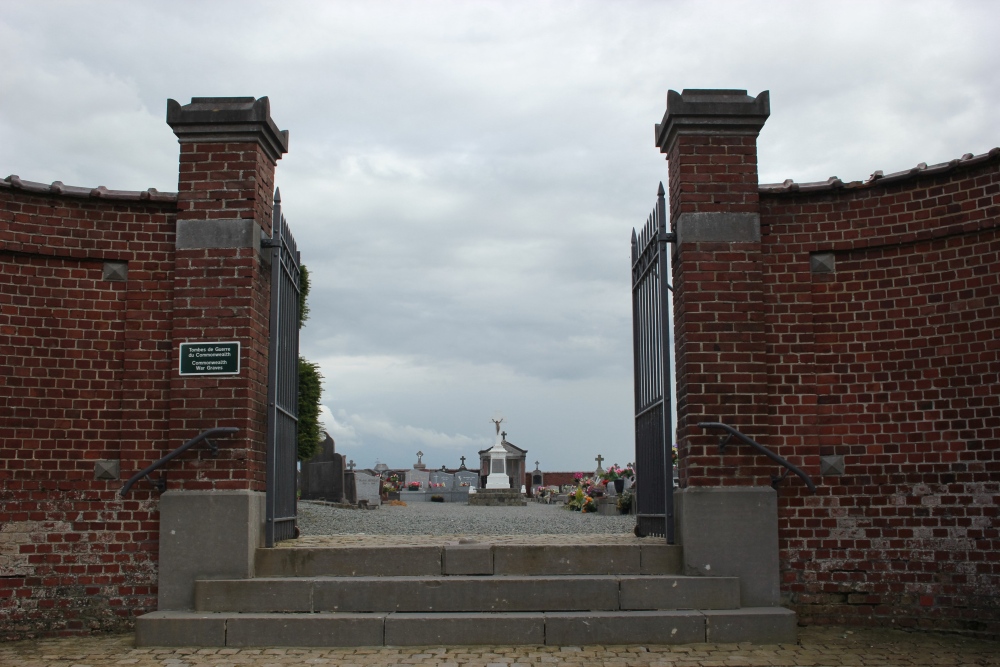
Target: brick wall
856 328
97 290
891 361
84 376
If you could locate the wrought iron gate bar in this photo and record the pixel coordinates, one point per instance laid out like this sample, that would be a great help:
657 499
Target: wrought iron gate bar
651 354
652 406
283 381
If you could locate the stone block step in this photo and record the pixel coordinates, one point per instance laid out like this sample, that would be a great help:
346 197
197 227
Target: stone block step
466 559
770 625
467 593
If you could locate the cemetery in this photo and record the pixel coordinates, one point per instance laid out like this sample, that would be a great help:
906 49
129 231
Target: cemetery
187 527
328 478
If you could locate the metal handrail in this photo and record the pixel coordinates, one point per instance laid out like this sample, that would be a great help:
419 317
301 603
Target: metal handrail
763 450
161 483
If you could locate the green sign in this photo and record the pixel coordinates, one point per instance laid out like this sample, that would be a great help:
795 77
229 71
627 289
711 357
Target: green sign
210 358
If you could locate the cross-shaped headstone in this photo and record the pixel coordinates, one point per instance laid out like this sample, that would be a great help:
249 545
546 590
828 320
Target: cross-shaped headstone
600 460
536 465
351 464
503 434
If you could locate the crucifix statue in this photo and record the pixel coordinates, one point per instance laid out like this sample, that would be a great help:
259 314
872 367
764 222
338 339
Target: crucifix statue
536 465
463 461
351 464
419 455
497 423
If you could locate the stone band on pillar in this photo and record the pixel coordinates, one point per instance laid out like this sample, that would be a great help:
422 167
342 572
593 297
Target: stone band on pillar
717 227
239 233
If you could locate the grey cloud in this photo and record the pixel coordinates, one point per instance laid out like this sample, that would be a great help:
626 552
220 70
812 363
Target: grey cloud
463 177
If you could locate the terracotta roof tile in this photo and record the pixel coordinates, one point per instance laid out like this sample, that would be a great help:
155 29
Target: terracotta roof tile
15 182
922 169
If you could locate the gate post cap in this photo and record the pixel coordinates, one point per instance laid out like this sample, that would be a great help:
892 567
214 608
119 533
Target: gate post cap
228 120
711 111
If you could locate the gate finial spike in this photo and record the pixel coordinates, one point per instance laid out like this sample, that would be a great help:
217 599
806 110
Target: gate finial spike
277 194
633 236
660 191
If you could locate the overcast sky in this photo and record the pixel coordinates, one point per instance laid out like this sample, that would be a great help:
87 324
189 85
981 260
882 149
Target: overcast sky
463 177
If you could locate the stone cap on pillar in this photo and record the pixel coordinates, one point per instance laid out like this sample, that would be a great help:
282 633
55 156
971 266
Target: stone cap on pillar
711 111
228 119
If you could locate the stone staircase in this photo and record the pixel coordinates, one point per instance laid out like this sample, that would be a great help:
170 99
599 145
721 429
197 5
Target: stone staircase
467 594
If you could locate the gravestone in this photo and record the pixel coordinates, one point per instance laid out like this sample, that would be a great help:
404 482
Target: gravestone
367 488
322 476
467 477
421 476
439 477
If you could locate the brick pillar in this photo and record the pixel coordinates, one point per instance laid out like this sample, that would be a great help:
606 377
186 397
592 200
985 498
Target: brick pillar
212 515
726 512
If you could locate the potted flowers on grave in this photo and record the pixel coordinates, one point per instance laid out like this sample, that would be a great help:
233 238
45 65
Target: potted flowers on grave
413 486
613 475
390 488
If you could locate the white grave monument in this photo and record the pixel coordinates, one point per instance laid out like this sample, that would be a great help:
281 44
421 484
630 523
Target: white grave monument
498 466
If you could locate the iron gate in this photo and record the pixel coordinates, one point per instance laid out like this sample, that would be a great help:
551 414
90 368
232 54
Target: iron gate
650 348
282 381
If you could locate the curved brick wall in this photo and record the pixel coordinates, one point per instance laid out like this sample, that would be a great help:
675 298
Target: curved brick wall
84 376
892 361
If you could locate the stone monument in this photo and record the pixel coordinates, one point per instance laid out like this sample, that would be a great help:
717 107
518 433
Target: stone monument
514 465
323 474
498 489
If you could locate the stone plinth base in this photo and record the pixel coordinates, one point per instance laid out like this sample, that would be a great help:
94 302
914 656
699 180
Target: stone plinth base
498 498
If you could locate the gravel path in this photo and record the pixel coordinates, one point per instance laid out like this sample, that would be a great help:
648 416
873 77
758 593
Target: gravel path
456 519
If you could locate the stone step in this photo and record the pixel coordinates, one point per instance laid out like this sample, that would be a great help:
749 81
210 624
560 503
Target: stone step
469 559
761 625
467 593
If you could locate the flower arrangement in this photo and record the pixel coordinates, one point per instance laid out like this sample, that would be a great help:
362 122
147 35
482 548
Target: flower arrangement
413 486
464 484
624 502
575 501
578 476
588 505
613 472
389 487
628 471
436 485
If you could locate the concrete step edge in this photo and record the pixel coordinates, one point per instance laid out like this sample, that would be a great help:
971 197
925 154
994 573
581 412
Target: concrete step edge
470 559
770 625
467 593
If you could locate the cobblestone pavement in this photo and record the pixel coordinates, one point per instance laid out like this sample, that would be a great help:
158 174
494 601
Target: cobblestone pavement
817 646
